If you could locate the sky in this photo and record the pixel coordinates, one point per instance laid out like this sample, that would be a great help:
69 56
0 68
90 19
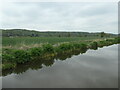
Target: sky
60 16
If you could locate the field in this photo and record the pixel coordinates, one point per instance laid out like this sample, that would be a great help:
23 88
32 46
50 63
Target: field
27 42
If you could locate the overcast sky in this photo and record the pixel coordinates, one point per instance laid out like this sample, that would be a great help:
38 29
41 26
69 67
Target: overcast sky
64 16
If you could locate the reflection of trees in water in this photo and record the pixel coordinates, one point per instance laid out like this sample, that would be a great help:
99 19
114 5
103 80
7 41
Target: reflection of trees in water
69 54
83 51
48 62
38 62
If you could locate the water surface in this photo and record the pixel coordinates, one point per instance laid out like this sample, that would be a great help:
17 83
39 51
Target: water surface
93 69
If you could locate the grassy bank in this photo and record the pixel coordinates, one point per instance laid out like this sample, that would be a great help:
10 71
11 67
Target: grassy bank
12 57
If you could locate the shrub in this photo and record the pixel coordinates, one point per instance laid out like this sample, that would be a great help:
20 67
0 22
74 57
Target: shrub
76 45
83 46
64 47
109 40
7 58
48 48
35 52
102 43
21 56
117 40
94 45
7 51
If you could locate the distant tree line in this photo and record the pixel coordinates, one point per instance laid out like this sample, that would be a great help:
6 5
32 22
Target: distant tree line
31 33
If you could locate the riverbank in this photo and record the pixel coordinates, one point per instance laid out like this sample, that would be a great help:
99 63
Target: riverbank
13 57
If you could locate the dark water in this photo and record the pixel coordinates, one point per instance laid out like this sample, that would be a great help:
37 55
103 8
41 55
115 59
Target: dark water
93 69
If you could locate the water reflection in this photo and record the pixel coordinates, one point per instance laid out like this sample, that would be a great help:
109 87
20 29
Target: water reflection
93 69
38 63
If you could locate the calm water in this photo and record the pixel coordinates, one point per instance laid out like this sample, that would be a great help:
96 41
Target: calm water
93 69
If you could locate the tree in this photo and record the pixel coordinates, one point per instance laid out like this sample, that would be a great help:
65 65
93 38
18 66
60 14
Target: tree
85 35
102 34
69 34
59 35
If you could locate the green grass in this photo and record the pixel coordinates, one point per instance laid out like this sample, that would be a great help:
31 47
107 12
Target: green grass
18 41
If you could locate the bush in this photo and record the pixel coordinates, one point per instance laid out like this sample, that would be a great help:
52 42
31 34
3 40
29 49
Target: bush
21 56
94 45
7 51
35 52
83 46
48 48
117 40
103 43
64 47
76 45
7 58
109 40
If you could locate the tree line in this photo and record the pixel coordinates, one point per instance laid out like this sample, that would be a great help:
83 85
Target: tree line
32 33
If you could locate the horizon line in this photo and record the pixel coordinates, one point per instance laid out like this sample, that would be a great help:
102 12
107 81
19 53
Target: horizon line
57 30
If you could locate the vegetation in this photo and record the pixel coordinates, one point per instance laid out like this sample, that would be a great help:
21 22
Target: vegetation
48 48
28 42
102 34
35 52
32 33
20 50
12 57
63 47
93 45
8 66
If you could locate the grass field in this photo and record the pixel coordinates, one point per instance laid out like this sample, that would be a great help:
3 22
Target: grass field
35 41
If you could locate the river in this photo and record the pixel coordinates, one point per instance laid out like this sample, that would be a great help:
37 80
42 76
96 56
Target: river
92 69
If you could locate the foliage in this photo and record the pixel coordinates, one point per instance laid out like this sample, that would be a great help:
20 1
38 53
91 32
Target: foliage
48 48
83 46
35 51
18 56
102 34
64 47
7 58
76 45
117 40
94 45
7 50
102 43
8 66
32 33
21 56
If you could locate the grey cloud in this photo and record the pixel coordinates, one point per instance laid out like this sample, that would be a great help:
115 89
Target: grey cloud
60 16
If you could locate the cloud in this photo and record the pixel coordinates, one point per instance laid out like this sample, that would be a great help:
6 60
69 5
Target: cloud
45 16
